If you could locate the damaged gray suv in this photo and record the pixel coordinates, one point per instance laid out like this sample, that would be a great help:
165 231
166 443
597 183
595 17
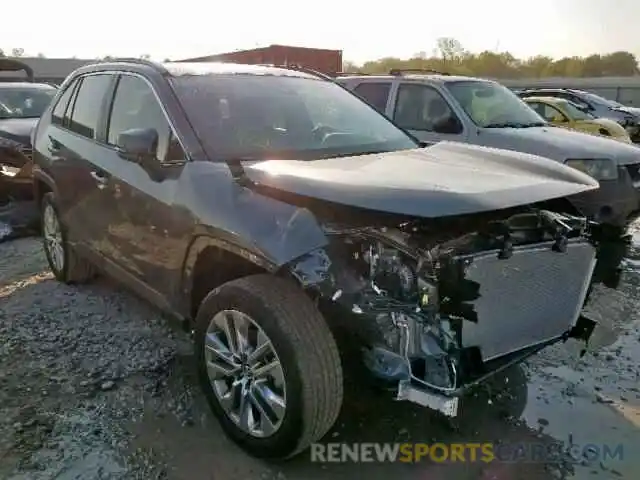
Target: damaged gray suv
260 204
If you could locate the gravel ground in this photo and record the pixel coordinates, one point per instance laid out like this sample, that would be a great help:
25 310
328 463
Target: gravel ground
95 384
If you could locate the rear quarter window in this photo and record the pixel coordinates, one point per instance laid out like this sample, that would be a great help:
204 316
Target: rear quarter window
374 93
58 114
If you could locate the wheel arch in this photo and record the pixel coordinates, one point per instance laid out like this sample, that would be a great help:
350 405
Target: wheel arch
42 183
209 262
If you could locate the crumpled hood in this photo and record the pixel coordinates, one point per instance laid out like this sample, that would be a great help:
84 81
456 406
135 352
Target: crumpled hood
559 144
442 180
18 129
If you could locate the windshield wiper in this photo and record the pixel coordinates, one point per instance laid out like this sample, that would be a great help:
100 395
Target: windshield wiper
356 154
515 125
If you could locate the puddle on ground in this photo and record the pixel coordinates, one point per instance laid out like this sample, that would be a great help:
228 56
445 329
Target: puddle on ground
594 404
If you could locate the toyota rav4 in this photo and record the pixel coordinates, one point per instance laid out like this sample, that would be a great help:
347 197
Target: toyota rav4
257 203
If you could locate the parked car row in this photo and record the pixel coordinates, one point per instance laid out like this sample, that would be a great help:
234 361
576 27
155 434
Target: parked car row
268 208
594 105
564 113
21 104
436 107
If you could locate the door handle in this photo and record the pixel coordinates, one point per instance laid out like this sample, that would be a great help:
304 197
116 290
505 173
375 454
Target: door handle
54 145
100 179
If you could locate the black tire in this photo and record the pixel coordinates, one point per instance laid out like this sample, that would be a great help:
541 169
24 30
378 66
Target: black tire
75 270
308 355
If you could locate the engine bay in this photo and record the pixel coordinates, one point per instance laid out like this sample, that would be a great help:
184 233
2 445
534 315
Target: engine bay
411 284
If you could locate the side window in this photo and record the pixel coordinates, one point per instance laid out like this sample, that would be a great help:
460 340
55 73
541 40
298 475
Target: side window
58 114
538 107
579 102
88 103
136 106
552 114
376 94
420 107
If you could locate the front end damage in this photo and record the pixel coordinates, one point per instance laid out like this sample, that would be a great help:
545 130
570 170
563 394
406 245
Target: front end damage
18 211
439 306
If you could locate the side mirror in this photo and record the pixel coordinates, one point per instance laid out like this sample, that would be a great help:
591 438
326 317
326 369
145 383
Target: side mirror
450 125
136 144
140 145
558 119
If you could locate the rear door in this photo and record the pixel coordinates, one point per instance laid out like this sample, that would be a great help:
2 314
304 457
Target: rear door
72 143
376 94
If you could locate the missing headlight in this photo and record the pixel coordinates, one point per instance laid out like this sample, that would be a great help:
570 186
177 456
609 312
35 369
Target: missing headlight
402 298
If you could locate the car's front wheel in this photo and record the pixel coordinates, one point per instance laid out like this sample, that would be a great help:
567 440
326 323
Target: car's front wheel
64 262
269 365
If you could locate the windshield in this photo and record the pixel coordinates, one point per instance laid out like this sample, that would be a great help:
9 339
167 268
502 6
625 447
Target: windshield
601 100
576 113
257 117
24 102
491 105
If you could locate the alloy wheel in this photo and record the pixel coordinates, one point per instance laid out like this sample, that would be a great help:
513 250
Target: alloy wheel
53 237
245 373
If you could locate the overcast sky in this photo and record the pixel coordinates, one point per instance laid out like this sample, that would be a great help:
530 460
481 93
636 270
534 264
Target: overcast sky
363 30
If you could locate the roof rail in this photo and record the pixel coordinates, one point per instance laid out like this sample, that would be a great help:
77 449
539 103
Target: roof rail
299 68
400 71
350 74
13 65
139 61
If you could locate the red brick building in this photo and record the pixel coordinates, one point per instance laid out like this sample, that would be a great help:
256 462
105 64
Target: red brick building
326 61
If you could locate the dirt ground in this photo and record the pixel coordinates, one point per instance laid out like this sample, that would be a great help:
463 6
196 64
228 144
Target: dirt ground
95 384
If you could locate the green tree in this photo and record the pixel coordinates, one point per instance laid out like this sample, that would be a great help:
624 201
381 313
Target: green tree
450 56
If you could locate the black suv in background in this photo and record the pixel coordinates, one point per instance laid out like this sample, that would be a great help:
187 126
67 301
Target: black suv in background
255 203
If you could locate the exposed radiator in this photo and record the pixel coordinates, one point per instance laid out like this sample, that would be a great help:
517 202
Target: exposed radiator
534 296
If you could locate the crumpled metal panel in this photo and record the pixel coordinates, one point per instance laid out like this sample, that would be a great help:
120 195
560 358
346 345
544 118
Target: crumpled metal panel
534 296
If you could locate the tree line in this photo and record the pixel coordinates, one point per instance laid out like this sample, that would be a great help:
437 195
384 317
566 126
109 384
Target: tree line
451 57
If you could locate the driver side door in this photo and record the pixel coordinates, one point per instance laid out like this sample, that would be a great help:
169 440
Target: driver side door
146 231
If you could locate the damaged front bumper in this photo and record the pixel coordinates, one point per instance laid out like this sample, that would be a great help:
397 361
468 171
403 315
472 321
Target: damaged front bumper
448 402
19 214
523 304
436 318
16 166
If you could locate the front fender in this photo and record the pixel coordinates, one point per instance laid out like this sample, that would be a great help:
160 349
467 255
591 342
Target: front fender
270 228
291 238
260 229
207 238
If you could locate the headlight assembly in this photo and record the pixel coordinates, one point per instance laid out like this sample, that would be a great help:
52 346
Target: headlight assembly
598 168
